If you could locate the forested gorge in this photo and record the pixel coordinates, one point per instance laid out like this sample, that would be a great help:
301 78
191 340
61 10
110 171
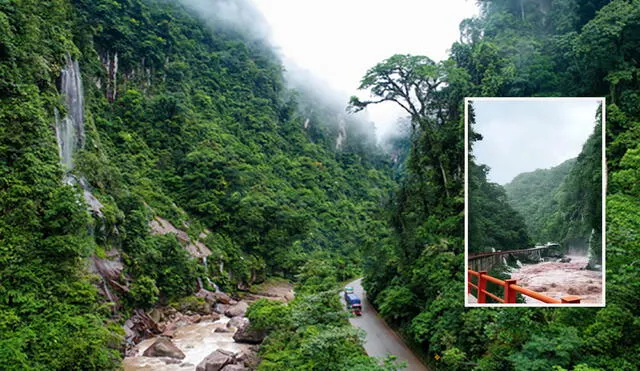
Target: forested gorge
185 119
415 276
190 119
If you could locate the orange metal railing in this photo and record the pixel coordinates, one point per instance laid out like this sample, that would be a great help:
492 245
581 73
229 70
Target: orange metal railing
510 290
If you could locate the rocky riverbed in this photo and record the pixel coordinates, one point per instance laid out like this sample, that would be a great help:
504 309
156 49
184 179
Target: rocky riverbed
211 333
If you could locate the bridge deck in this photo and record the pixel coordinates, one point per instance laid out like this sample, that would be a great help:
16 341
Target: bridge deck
483 254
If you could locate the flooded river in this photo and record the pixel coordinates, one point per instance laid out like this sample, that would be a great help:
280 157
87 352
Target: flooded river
556 279
196 341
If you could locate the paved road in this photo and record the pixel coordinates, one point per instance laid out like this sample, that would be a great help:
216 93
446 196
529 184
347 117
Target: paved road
381 340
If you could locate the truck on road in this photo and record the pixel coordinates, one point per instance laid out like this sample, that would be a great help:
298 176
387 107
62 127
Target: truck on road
353 303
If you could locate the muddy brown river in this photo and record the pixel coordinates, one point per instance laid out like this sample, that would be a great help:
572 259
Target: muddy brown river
556 279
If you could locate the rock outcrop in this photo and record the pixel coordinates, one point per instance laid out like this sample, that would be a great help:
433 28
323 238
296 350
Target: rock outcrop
246 334
238 322
216 361
238 309
163 347
140 326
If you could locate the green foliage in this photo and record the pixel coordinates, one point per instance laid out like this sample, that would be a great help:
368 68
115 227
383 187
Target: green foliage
311 333
269 315
492 221
531 194
520 48
143 292
191 303
555 347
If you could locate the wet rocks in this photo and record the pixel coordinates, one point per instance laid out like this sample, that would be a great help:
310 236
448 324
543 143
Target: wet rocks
221 297
216 361
208 296
221 308
249 357
235 367
238 309
238 322
223 330
210 317
139 327
565 260
246 334
163 347
222 360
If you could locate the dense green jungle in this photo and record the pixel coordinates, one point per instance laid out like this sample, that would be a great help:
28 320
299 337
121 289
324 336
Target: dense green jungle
191 121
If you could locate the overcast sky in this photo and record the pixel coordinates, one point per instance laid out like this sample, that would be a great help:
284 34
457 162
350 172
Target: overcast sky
339 40
522 136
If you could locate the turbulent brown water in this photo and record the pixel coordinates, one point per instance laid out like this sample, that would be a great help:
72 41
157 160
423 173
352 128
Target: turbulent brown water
196 341
556 279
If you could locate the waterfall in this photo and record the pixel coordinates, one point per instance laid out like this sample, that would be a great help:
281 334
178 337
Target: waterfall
211 283
342 132
70 129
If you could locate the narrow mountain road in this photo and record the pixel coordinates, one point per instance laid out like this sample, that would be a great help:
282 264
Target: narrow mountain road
381 340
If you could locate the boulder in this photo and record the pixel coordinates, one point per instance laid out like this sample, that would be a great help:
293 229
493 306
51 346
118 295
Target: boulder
237 310
156 315
140 326
221 297
565 260
170 329
249 336
209 296
221 308
215 361
163 347
238 322
210 317
249 357
234 367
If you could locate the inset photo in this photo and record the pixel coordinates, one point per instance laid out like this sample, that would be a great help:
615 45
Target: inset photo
535 184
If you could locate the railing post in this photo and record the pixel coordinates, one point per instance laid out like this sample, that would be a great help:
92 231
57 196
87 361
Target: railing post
482 286
509 293
570 299
469 275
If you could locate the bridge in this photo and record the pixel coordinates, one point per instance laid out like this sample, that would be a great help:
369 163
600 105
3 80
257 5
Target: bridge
511 290
487 261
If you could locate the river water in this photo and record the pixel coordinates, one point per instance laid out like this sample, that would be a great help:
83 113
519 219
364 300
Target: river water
196 341
556 279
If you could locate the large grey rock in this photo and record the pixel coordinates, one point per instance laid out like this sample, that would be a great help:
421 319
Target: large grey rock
249 336
238 322
215 361
221 308
221 297
237 310
234 367
209 296
163 347
249 357
210 317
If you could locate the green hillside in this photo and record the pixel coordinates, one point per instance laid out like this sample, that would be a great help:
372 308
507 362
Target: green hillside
185 121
